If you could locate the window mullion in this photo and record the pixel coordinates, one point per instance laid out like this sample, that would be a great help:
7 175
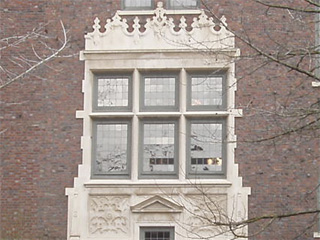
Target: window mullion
135 91
182 148
183 91
182 124
135 148
135 125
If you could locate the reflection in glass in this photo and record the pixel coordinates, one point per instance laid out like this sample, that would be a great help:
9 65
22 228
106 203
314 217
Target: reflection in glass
206 91
159 91
113 92
158 147
111 148
206 147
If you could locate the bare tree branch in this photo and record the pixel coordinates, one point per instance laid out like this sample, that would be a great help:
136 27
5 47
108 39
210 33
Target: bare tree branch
42 60
303 10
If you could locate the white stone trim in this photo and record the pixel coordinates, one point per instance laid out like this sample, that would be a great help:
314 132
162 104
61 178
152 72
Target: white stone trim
137 52
151 12
163 182
316 84
159 31
316 235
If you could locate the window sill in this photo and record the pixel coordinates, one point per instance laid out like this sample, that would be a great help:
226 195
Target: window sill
316 235
118 183
110 114
235 112
135 12
316 84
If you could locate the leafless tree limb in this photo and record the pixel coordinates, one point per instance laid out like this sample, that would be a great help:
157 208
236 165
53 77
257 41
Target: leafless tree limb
41 61
311 9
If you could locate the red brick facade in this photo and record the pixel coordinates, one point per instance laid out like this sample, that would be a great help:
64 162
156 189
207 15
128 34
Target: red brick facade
40 136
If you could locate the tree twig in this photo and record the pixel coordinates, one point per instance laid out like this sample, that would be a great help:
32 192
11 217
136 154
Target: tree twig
32 68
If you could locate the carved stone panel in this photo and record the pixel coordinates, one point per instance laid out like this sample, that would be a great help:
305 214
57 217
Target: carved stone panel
108 215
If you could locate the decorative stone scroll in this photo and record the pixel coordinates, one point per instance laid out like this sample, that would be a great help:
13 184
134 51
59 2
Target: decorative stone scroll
160 33
108 215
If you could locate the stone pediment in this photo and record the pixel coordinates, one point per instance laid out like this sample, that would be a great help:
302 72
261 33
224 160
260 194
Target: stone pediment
160 33
156 204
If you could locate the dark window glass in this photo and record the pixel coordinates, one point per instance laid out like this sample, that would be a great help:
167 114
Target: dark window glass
160 233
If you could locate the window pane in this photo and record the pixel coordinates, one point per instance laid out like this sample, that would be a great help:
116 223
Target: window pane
113 92
157 235
158 147
206 91
137 3
111 148
159 91
183 3
206 147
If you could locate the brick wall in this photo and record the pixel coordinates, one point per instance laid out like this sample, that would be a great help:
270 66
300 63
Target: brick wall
40 137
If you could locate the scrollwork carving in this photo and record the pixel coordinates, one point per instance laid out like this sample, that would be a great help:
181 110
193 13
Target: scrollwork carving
108 214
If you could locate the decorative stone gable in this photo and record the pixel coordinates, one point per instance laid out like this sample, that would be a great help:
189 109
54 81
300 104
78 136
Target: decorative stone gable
160 33
156 204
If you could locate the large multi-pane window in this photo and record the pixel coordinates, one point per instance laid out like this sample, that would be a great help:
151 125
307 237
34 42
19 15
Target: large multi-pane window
145 120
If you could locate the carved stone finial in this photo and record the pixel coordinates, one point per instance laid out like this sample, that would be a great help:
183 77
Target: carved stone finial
160 5
183 23
96 25
223 21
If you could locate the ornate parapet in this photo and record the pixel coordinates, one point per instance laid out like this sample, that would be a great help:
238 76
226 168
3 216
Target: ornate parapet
160 32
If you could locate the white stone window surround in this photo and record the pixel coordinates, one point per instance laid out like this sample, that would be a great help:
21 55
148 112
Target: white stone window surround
228 114
183 115
316 235
133 55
